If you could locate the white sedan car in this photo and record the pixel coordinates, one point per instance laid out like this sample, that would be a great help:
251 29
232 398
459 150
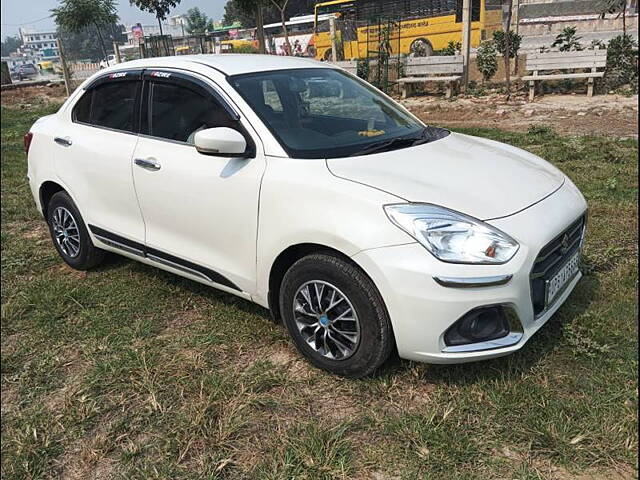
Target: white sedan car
295 185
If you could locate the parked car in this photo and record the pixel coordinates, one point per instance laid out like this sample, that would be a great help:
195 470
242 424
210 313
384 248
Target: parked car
109 61
353 222
27 71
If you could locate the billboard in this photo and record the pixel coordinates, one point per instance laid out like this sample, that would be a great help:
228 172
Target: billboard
137 33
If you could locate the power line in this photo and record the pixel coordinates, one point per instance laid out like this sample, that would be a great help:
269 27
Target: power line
26 23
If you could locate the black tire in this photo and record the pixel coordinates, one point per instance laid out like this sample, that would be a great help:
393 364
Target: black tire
87 255
376 340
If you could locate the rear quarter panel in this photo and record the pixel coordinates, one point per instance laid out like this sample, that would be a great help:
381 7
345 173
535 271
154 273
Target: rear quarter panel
40 161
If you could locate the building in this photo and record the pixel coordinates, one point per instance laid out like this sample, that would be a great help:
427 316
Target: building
40 45
15 60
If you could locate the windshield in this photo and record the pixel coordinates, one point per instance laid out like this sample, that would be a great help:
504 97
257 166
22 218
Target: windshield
326 113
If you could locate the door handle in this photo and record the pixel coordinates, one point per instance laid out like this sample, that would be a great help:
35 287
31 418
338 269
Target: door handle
64 141
148 164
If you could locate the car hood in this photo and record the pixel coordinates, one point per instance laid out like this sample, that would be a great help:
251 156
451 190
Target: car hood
476 176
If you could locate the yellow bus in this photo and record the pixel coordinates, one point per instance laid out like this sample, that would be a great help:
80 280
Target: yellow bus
416 27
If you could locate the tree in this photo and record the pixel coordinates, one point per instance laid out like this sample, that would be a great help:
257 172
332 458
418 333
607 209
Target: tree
281 5
508 44
622 66
499 38
160 8
507 11
255 13
249 9
197 21
77 15
487 60
615 6
236 11
82 45
10 45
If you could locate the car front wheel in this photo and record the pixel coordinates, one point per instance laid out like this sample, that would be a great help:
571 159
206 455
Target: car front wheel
336 316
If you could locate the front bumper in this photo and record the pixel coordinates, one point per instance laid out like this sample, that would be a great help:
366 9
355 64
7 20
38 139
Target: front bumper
422 309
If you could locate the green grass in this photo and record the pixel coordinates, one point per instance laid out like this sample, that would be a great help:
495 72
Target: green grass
129 372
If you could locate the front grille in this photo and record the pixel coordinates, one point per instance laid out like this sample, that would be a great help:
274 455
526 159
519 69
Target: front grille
551 258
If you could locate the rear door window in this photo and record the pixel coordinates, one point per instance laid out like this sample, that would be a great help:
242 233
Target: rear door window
110 105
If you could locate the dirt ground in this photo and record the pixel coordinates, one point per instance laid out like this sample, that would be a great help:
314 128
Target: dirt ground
27 96
574 114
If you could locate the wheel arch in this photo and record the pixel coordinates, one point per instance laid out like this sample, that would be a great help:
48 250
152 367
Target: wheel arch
287 258
47 190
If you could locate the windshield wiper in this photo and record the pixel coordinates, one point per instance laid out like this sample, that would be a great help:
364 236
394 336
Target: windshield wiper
393 144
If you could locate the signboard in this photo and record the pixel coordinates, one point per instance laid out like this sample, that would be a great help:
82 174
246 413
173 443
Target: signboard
49 52
137 33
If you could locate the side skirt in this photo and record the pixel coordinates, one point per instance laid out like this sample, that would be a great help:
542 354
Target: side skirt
157 256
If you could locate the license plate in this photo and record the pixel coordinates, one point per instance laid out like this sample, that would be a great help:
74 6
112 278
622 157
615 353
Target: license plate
557 283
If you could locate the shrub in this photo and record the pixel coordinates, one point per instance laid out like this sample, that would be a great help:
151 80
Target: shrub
487 60
499 39
541 130
622 63
452 48
245 49
568 40
363 68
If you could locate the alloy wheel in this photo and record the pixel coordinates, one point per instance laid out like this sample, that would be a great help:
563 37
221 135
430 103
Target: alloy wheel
65 231
326 320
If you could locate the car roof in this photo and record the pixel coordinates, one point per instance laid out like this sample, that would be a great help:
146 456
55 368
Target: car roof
227 63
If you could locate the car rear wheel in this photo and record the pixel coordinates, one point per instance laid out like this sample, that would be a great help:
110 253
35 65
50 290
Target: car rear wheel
69 234
336 316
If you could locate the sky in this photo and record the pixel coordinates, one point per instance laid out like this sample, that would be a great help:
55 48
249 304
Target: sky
33 13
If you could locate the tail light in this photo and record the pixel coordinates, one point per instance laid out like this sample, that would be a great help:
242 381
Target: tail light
27 141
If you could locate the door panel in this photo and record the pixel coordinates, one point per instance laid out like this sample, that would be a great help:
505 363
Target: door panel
97 167
95 161
201 208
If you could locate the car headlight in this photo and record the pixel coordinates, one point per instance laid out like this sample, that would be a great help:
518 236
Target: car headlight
451 236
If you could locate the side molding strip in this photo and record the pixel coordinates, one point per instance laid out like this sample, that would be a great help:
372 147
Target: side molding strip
136 248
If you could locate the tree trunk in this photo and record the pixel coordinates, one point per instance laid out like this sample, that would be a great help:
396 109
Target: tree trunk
284 26
624 18
507 46
104 50
286 34
163 44
260 28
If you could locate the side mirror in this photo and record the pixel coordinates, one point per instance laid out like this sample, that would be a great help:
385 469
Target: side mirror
220 141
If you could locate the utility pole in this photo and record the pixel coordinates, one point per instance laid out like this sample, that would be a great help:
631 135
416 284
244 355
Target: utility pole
332 34
116 51
65 69
466 42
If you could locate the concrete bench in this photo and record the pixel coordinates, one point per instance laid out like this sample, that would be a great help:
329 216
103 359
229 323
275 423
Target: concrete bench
545 62
432 69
